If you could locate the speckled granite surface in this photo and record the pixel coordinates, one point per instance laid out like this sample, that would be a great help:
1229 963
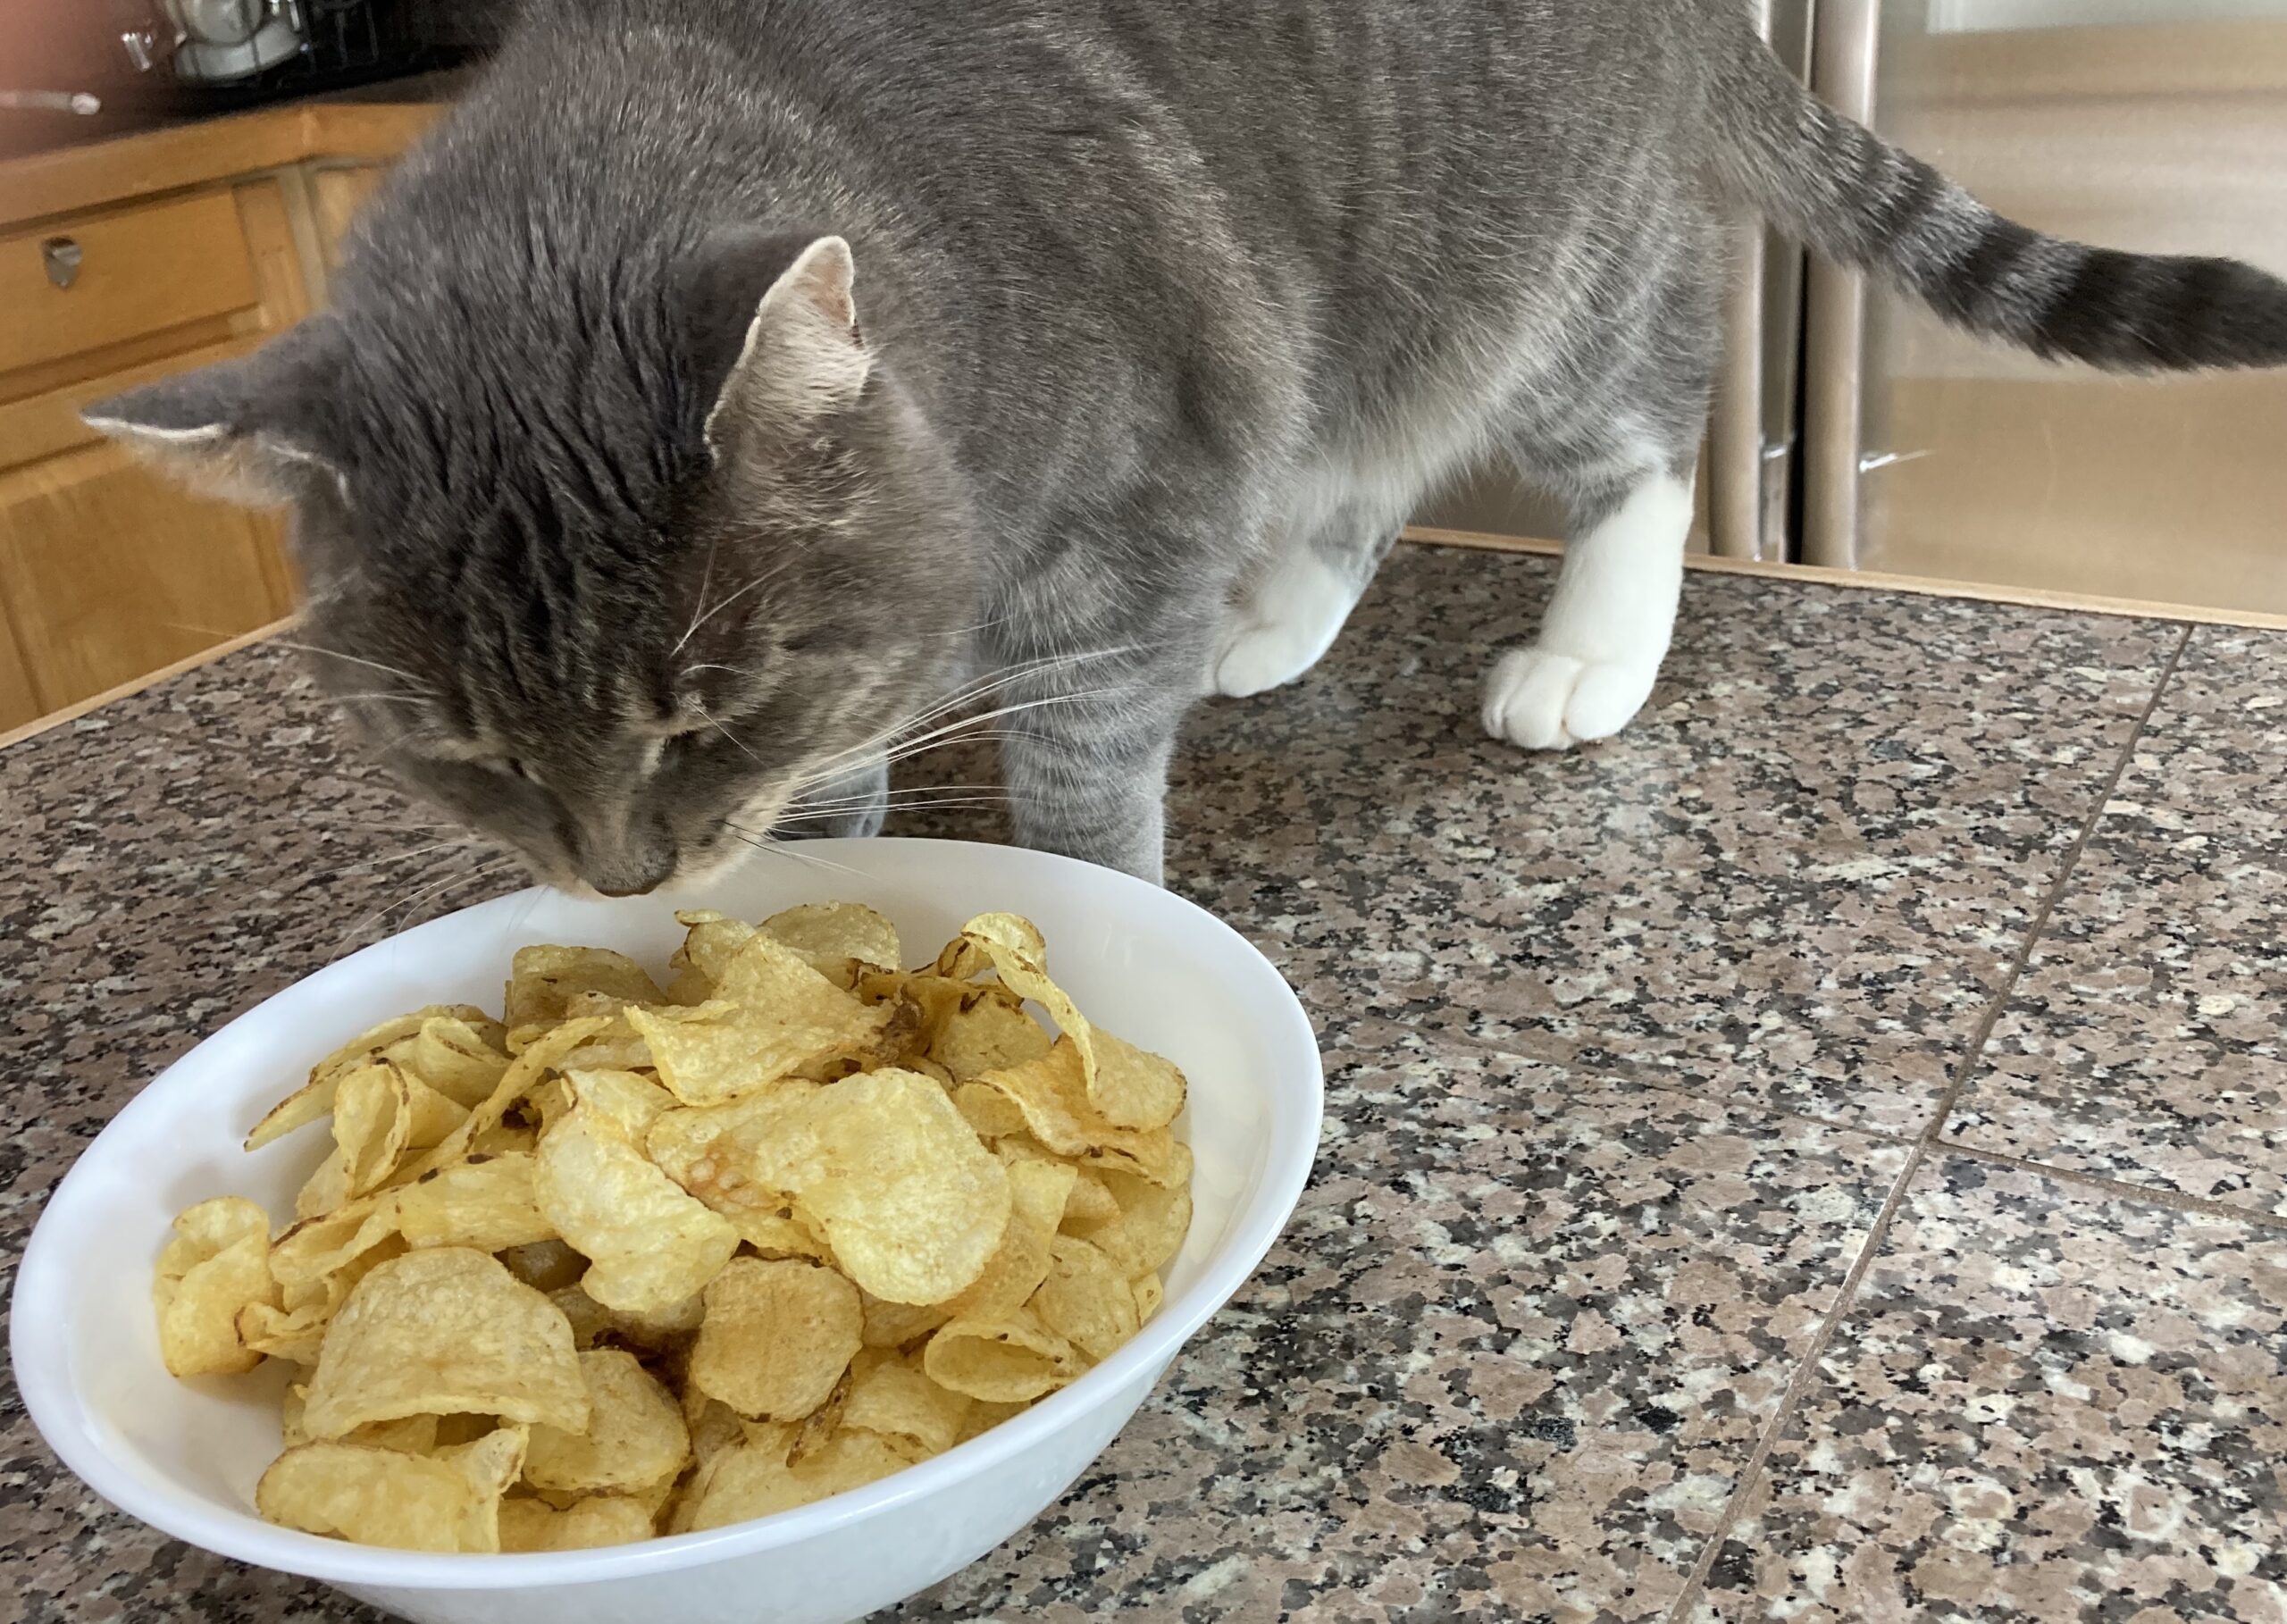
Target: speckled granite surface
1681 1245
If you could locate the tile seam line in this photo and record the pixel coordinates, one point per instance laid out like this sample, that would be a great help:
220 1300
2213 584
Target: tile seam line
1931 1138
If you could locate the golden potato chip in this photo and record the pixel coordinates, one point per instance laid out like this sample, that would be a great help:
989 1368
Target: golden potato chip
892 1398
1146 1229
588 1317
501 1139
486 1204
1126 1086
616 1047
714 1427
314 1099
749 1481
710 940
454 1057
983 1418
524 1073
380 1496
273 1332
372 1112
545 1264
1010 1359
636 1434
310 1251
776 1338
839 940
441 1331
651 1244
590 1521
1085 1299
1089 1202
771 1014
988 1110
987 1031
659 1331
543 980
217 1265
894 1325
910 1201
1149 1294
430 1115
1051 1093
1037 1192
705 1150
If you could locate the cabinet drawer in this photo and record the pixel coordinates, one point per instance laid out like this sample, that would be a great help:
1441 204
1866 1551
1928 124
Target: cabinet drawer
133 273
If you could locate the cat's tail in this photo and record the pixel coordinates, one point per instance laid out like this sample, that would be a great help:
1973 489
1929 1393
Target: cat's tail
1853 197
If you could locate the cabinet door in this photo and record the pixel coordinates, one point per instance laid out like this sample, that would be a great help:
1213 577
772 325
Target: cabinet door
337 192
109 572
18 703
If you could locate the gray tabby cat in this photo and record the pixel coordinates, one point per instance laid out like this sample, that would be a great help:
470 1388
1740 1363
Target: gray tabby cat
725 382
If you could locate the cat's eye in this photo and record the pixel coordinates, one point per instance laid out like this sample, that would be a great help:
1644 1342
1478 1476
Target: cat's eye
514 768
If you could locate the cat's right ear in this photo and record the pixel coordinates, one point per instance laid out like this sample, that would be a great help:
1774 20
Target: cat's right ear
250 431
803 355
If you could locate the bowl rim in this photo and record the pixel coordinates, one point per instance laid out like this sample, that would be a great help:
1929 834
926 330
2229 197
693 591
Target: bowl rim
43 1369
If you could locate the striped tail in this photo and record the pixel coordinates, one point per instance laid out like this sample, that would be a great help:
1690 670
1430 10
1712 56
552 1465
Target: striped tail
1855 198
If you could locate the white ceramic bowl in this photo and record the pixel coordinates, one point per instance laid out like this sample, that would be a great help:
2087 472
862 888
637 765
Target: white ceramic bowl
184 1456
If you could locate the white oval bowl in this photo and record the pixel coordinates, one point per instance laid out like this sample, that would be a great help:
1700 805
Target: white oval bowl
183 1456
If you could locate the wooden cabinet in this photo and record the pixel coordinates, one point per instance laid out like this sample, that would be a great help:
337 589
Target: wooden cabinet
118 265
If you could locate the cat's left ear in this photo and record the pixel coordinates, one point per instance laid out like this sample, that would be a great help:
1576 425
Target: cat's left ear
803 356
250 431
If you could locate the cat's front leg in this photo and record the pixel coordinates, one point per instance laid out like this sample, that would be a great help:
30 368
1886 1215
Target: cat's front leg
1088 732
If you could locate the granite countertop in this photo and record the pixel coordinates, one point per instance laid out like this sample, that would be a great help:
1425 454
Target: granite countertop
1819 1157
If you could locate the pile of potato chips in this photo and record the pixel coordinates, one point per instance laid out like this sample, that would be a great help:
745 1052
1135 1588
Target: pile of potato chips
642 1261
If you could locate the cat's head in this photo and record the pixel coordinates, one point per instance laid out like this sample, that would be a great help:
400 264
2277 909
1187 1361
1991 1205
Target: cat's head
611 583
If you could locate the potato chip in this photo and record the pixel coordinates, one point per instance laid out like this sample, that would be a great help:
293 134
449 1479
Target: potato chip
992 1113
1090 1201
714 1427
1148 1293
983 1418
987 1031
588 1317
1037 1192
776 1338
771 1014
890 1397
1010 1358
501 1139
444 1331
894 1325
912 1204
1085 1299
593 1520
1146 1230
633 1102
710 940
543 980
524 1073
217 1265
372 1112
704 1149
545 1264
1128 1087
651 1244
271 1332
750 1481
314 1099
454 1057
1050 1092
487 1204
311 1252
382 1496
635 1438
838 940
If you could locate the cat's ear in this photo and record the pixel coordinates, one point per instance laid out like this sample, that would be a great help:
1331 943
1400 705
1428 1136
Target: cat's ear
249 431
803 355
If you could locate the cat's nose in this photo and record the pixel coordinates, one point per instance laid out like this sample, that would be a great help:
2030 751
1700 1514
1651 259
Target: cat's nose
631 872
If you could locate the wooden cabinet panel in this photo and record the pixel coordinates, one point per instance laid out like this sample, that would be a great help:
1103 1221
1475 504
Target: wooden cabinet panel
336 195
18 703
140 270
122 572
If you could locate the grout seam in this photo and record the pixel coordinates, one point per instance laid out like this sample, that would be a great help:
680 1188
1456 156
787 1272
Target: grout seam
2117 1188
1931 1138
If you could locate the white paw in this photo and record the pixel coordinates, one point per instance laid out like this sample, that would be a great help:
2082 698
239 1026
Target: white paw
1254 658
1549 701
